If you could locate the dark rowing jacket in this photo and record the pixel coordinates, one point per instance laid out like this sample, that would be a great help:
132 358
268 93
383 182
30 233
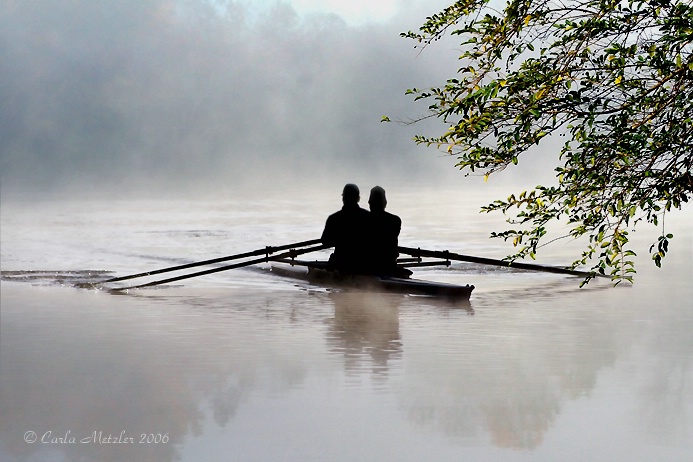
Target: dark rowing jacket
383 235
347 231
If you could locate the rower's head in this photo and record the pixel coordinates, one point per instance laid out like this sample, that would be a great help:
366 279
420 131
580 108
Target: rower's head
377 200
351 194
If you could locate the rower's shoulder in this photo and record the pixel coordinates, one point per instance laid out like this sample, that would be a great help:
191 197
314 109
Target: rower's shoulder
393 218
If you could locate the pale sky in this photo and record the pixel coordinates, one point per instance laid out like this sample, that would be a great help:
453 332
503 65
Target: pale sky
351 11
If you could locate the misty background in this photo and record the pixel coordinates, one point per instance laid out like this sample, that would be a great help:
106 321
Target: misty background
124 97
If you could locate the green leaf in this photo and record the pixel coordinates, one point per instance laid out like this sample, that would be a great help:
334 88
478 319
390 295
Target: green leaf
622 109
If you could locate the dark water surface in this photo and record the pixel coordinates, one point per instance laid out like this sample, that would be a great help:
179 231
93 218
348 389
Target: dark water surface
250 367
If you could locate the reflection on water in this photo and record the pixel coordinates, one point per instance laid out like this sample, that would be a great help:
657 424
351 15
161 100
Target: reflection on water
512 382
249 367
192 366
365 329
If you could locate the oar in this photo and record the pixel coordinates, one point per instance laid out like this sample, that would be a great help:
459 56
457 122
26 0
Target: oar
264 251
289 254
422 264
401 262
490 261
309 264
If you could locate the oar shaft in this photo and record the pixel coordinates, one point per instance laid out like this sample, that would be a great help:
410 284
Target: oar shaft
289 254
309 264
423 264
265 251
490 261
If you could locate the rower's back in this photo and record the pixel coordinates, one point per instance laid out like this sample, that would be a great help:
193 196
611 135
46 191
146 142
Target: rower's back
383 236
347 231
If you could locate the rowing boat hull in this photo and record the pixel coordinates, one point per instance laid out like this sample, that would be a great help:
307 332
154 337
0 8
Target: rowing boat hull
379 283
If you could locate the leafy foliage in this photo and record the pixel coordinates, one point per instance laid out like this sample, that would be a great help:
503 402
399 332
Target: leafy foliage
614 77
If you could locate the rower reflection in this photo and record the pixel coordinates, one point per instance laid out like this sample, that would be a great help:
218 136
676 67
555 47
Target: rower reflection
365 330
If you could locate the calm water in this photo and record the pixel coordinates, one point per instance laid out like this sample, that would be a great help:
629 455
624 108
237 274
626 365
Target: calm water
245 366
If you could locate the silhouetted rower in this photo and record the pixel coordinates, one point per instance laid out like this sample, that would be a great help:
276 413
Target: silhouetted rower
346 230
383 236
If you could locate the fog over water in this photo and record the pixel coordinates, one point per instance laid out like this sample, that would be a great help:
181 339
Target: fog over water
195 106
250 366
110 97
